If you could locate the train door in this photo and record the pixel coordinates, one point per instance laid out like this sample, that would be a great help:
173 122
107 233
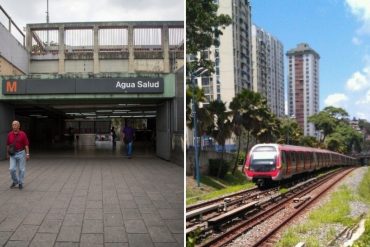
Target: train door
288 163
305 163
284 165
293 157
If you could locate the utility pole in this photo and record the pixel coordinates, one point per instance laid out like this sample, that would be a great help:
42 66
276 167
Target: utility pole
47 21
193 76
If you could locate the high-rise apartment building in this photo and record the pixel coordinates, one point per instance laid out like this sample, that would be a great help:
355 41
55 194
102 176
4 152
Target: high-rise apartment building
268 69
303 85
232 58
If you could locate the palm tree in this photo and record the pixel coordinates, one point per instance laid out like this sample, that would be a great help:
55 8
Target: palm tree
222 127
268 128
254 113
203 117
237 127
290 132
199 98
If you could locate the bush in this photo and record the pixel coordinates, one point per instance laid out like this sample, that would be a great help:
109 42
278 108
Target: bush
214 165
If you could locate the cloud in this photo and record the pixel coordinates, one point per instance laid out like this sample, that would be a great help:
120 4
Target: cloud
362 115
359 80
361 10
356 41
364 100
336 100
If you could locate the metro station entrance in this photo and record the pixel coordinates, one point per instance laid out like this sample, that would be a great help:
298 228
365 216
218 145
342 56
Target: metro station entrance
81 127
85 128
81 121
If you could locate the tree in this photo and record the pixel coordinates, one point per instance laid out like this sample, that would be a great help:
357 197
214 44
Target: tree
199 98
327 119
222 128
237 127
204 120
290 132
308 141
203 28
255 114
250 113
345 139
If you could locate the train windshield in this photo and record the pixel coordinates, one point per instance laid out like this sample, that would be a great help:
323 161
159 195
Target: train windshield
263 159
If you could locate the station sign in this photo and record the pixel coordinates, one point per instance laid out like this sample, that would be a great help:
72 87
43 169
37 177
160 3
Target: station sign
126 85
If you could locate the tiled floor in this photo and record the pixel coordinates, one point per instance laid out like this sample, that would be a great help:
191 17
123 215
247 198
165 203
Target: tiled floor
89 200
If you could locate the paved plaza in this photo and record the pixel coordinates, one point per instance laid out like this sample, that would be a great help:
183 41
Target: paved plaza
92 200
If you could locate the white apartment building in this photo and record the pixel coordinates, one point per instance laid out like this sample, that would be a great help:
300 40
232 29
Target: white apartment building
303 85
268 69
233 63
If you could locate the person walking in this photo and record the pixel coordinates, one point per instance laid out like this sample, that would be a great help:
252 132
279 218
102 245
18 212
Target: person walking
113 135
128 135
17 151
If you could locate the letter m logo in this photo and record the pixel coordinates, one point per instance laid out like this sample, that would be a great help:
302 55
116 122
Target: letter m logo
11 86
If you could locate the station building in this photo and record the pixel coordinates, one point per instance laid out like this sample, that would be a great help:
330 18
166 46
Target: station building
69 83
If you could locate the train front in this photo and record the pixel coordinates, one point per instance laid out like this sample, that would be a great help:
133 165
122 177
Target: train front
263 164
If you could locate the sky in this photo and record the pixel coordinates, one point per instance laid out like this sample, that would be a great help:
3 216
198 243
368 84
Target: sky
34 11
339 30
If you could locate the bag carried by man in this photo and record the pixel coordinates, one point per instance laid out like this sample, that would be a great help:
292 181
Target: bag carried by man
11 148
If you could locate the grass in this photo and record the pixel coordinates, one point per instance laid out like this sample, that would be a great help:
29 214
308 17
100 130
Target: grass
335 211
212 187
290 239
364 188
283 190
364 194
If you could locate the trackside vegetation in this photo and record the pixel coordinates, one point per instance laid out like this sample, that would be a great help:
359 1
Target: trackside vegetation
364 193
212 187
333 213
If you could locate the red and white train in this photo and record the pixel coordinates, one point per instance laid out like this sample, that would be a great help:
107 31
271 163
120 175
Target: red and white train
276 162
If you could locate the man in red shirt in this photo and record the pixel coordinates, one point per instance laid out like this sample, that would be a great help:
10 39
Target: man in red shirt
19 140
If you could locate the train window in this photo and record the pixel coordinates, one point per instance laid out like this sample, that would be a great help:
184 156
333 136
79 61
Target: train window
265 149
263 159
293 157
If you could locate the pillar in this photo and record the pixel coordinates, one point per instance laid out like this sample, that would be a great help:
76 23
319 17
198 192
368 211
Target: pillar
131 56
166 49
61 50
96 50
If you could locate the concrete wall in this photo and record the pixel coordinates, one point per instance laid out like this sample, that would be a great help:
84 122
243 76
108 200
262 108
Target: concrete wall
77 66
13 51
117 65
47 66
149 65
177 120
7 116
163 130
203 160
7 68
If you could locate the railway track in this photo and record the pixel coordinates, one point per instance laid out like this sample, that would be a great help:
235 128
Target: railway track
220 199
231 204
224 228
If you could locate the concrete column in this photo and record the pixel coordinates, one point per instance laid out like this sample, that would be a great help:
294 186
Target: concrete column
61 50
166 49
6 119
130 43
96 50
28 39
